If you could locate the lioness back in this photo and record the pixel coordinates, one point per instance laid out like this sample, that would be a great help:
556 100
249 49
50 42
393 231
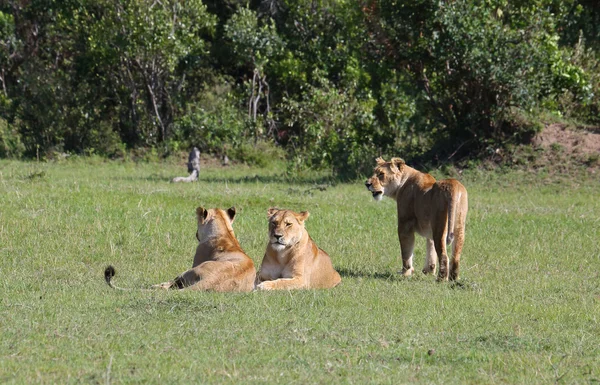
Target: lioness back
219 264
324 275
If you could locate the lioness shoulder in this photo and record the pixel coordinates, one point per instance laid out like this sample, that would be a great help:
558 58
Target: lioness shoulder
292 259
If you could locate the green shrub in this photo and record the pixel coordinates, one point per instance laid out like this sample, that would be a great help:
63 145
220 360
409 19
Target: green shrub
10 141
261 153
476 62
325 125
213 121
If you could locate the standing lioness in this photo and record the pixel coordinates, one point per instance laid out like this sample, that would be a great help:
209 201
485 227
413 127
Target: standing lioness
220 264
292 259
436 210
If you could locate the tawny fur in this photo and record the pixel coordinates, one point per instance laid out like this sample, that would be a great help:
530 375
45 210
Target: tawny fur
436 210
219 264
292 259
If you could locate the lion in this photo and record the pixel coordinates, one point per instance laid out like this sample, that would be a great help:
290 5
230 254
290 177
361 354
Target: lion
292 259
435 210
220 264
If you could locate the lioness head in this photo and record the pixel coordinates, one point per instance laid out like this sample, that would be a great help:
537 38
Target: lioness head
286 227
213 222
386 177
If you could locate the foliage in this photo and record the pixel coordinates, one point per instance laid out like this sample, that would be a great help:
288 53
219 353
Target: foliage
251 42
261 154
212 121
324 127
10 141
120 67
333 82
476 61
572 104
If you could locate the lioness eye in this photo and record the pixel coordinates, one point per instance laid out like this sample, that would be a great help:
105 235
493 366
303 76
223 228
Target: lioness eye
288 224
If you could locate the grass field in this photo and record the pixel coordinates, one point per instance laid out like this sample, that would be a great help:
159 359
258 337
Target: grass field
528 309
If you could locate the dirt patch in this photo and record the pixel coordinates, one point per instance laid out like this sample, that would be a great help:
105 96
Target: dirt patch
570 142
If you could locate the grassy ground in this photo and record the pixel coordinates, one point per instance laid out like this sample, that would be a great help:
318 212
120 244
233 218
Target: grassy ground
528 309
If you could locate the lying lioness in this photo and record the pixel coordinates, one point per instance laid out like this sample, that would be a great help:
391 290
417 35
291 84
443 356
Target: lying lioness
436 210
220 264
292 259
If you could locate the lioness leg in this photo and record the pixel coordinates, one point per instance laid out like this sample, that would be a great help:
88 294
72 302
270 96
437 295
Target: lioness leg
430 259
282 284
208 275
439 241
440 248
459 240
407 246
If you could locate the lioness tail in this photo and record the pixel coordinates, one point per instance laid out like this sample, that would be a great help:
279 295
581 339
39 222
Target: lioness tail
452 203
109 273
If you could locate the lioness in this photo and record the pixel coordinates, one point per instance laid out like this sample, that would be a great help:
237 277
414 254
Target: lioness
220 264
436 210
292 259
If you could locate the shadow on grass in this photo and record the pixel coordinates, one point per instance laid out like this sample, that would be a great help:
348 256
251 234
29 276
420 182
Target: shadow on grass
388 276
147 178
464 284
318 182
277 178
461 284
185 301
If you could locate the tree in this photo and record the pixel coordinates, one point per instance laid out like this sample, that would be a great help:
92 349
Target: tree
474 62
143 48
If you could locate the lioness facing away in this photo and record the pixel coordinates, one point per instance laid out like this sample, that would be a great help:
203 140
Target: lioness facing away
220 264
436 210
292 259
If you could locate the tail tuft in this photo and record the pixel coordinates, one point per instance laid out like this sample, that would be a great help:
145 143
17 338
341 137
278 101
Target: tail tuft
109 272
449 238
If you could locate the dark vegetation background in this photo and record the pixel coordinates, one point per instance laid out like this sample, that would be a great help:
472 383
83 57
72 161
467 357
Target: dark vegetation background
328 83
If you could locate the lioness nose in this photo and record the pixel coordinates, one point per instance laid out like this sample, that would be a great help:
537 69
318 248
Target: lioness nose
278 236
368 184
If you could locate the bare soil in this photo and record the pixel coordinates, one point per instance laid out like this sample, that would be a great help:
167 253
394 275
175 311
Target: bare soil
571 142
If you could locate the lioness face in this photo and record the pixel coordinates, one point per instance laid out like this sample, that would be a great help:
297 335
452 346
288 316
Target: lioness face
285 227
385 178
212 222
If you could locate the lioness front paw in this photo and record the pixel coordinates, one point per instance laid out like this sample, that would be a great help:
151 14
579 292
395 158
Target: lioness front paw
266 285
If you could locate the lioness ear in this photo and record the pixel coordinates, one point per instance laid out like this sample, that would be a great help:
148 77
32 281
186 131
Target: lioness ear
201 213
231 213
302 216
397 164
272 211
379 161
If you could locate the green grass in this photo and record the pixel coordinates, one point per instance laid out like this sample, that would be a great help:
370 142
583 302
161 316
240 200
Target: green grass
528 309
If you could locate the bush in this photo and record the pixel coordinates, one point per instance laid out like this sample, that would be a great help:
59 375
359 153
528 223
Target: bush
10 141
325 123
261 153
583 106
213 121
476 62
